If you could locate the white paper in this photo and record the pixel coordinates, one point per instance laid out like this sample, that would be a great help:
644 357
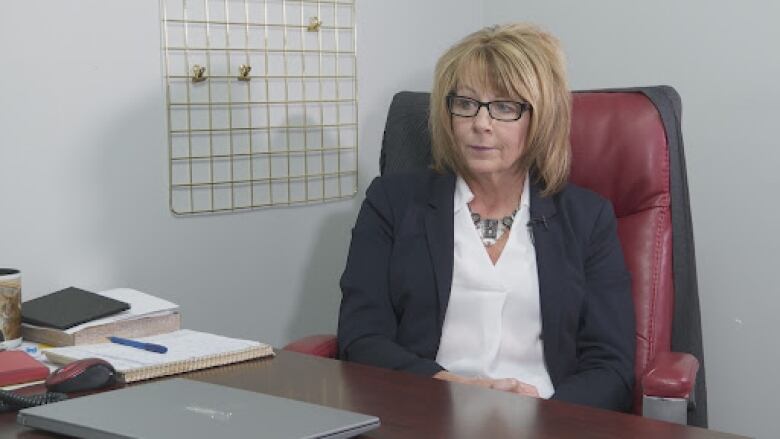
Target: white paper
184 344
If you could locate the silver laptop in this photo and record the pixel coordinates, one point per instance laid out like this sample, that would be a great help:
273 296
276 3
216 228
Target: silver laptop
193 409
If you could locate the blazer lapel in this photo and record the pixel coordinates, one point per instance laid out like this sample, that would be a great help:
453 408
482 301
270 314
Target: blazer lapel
440 233
543 226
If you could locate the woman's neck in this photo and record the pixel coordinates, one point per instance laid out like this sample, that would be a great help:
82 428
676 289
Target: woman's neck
496 195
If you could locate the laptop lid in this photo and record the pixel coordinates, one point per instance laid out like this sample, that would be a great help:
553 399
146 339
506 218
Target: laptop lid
193 409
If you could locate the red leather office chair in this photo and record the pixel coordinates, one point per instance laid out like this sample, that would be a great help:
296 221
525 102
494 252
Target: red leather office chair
627 146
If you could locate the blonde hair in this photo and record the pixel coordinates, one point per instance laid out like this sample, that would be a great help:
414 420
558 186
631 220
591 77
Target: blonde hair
517 60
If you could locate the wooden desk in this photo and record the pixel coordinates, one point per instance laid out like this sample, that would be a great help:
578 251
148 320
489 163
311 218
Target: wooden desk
410 406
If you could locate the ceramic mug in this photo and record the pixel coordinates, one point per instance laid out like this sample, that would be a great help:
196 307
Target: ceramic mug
10 308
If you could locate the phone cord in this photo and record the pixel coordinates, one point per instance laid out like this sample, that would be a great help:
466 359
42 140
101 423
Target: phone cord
13 401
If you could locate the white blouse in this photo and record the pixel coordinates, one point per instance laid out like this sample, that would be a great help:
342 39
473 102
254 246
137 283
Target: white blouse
493 324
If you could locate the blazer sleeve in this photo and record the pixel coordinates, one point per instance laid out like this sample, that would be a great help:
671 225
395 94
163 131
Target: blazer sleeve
604 375
367 321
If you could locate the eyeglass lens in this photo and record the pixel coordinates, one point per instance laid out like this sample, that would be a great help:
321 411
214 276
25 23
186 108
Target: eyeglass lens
500 110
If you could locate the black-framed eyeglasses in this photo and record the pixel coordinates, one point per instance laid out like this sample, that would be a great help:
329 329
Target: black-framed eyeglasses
505 111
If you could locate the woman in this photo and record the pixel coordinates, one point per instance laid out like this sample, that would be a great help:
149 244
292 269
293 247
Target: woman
490 269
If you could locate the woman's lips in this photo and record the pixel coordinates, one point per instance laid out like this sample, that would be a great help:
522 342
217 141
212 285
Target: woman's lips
481 148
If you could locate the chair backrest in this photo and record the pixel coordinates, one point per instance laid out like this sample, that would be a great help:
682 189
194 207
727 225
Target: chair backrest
627 146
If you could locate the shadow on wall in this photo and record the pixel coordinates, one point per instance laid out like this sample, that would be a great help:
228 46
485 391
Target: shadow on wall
136 241
212 265
317 311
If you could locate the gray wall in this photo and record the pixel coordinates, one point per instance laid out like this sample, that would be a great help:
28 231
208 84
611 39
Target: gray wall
83 166
724 59
84 174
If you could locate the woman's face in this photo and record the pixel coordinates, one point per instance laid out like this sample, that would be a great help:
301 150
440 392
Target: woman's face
491 147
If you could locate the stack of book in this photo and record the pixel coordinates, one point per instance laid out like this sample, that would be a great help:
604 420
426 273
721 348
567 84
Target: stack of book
80 323
76 317
18 369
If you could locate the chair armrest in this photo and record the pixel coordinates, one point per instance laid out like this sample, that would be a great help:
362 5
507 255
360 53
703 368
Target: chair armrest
323 345
671 375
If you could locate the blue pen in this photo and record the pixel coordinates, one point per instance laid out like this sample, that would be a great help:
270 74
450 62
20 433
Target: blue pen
151 347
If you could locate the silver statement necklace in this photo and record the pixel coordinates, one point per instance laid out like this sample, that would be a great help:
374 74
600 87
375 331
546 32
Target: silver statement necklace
490 229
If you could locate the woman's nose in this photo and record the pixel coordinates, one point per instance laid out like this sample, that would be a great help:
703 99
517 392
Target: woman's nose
482 119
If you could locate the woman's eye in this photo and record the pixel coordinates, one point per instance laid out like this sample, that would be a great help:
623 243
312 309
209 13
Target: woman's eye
466 104
506 107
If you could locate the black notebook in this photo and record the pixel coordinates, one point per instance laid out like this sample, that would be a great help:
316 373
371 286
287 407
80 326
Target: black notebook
69 307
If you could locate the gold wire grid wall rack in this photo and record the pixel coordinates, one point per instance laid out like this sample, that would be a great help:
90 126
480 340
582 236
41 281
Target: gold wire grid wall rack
261 102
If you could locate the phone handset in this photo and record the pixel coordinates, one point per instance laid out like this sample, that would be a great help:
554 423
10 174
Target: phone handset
13 401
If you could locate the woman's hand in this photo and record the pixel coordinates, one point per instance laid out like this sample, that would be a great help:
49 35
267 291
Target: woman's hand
512 385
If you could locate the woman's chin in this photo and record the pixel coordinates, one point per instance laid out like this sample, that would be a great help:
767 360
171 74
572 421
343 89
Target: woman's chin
484 164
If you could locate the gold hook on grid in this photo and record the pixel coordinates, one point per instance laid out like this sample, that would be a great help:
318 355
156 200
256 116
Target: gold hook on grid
243 72
314 24
198 73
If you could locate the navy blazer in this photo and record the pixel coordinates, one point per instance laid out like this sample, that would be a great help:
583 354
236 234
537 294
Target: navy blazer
397 282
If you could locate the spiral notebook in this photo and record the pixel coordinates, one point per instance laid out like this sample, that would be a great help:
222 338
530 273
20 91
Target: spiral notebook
188 350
